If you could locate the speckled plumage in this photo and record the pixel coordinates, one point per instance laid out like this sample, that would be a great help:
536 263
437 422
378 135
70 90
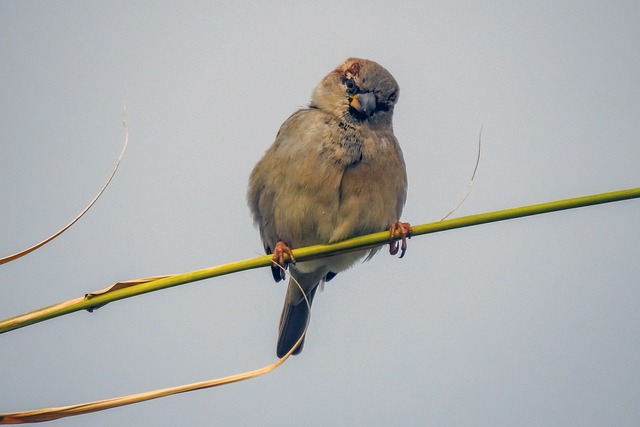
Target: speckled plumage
335 171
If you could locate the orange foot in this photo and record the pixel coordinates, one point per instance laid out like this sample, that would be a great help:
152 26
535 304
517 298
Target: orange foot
280 260
404 228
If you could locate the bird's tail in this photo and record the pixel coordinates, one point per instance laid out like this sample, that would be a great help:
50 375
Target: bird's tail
294 318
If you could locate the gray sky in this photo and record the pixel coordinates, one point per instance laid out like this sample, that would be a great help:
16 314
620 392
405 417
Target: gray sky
528 322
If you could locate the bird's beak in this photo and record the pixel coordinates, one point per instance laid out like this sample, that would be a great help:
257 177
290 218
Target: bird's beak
364 103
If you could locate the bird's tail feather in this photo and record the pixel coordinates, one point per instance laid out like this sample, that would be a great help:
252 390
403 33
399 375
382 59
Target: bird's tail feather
293 322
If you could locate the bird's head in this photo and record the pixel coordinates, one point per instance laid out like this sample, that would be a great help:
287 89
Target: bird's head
358 90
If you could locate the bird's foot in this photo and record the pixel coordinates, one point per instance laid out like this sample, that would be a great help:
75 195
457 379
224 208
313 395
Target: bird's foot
281 256
404 229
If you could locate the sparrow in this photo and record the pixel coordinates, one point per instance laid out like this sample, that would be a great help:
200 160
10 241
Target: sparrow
335 171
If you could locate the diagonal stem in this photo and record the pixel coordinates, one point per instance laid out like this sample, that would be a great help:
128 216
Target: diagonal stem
91 301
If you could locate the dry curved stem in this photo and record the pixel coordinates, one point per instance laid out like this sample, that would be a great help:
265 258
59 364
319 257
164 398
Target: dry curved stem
24 252
152 284
470 184
50 414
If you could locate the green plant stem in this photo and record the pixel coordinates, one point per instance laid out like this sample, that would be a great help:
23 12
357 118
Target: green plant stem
302 254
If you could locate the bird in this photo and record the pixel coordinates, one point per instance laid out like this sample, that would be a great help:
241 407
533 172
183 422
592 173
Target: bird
335 171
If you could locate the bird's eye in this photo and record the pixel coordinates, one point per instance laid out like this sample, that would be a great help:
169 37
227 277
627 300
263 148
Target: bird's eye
352 87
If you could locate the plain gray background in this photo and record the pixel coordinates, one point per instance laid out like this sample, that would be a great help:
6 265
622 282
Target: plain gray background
528 322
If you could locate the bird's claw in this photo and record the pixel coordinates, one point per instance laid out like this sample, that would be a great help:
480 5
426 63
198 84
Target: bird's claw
280 259
404 229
